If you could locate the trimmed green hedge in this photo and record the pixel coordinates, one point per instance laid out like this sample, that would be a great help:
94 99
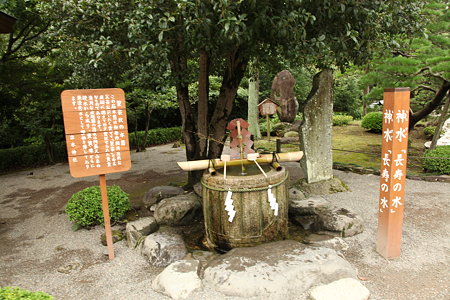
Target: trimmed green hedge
36 155
341 120
438 165
156 136
30 156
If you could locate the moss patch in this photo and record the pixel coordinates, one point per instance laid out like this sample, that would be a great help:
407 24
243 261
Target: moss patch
357 139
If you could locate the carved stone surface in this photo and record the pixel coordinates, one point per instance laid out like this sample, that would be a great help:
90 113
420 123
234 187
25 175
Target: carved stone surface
283 93
316 129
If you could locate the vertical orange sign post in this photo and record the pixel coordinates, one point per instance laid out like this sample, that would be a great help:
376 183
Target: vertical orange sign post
393 171
95 124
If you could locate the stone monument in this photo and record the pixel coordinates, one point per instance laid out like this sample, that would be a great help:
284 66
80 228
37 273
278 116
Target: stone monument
316 129
283 94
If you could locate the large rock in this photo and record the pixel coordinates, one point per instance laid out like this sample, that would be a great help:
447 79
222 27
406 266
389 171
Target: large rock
178 211
310 206
198 189
157 193
324 187
296 194
295 126
279 270
283 93
343 289
316 129
341 221
281 128
162 249
137 230
117 236
292 134
321 240
179 280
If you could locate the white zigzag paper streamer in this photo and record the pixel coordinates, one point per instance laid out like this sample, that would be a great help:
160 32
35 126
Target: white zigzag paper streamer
272 201
230 207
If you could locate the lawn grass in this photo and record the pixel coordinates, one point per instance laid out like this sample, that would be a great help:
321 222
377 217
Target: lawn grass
348 140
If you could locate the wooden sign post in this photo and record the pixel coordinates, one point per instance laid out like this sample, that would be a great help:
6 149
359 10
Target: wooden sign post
95 124
267 108
393 171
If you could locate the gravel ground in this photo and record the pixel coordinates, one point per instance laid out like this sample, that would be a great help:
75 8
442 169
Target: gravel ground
36 239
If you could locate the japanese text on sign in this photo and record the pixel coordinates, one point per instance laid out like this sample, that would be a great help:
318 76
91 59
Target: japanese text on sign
268 108
394 150
96 131
393 165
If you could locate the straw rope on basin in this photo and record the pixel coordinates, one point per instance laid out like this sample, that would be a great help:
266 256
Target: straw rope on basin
255 220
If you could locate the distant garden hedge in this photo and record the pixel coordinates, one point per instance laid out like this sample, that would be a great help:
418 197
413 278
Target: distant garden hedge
156 136
36 155
441 166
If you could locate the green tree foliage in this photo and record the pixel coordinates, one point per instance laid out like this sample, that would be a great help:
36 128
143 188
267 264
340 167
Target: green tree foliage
420 61
222 36
347 95
30 80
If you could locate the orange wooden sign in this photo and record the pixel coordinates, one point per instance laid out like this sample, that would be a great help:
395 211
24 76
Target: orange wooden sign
393 171
95 123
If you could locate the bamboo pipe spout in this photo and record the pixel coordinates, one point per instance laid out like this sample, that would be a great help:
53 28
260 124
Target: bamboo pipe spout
263 159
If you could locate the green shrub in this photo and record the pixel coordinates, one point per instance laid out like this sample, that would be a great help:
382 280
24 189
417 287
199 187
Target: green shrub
429 131
438 165
9 293
373 121
341 120
85 207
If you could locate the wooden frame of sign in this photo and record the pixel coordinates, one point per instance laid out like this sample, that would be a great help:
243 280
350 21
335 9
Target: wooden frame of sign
95 124
394 150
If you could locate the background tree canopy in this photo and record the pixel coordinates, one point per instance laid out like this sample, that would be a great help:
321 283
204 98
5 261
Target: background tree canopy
419 60
150 47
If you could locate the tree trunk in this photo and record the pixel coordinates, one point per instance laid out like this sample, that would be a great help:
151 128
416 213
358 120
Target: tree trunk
49 147
442 119
432 105
178 64
366 91
203 93
236 65
135 129
147 123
